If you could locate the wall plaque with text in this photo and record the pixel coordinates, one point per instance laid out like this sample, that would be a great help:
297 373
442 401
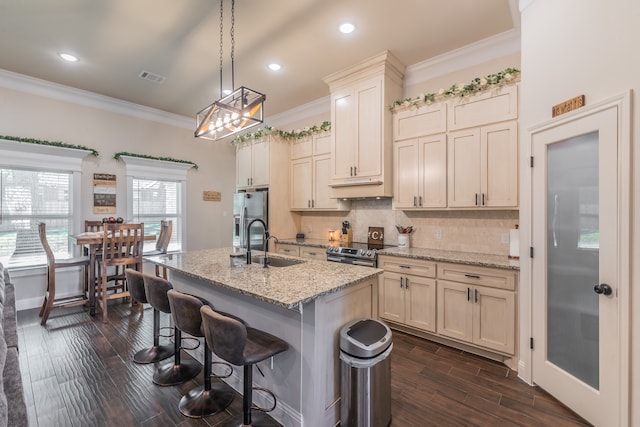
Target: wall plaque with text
567 106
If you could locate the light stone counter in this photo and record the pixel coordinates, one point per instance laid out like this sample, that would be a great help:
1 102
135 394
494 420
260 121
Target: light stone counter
483 260
287 287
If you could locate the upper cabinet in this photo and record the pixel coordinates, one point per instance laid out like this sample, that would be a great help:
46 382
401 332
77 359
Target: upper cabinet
361 139
458 154
252 164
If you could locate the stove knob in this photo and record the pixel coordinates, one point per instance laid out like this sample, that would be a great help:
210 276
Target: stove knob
368 253
362 252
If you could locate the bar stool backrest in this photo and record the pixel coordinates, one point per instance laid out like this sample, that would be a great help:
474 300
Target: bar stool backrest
185 310
225 336
135 281
156 289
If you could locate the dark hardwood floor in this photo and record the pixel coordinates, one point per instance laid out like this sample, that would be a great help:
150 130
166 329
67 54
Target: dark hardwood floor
78 371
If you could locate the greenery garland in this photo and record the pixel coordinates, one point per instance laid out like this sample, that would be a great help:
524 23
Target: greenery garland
145 156
291 135
477 85
51 143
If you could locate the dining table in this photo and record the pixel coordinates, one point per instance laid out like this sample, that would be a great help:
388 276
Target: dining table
94 241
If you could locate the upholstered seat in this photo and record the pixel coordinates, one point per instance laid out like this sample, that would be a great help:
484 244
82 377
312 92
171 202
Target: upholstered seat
178 371
157 352
204 400
240 345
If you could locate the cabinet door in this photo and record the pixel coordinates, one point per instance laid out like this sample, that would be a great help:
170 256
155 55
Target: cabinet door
463 174
406 164
500 164
369 129
494 319
433 172
243 166
302 148
321 179
260 158
313 252
420 302
343 134
455 311
391 297
301 183
322 144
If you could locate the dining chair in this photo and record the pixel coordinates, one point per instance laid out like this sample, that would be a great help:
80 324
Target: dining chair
121 247
93 226
162 244
50 301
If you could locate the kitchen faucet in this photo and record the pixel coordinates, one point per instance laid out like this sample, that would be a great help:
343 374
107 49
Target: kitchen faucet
266 241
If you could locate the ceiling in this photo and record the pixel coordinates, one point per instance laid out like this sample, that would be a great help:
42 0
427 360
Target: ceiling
179 40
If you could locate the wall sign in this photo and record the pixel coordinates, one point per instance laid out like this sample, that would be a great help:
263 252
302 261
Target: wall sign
211 196
104 193
567 106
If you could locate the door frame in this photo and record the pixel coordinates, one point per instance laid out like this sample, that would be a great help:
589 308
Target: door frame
622 103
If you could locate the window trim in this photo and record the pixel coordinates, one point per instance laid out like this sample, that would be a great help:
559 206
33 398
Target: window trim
141 168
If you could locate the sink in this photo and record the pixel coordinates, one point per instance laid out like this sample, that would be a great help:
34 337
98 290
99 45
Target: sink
276 262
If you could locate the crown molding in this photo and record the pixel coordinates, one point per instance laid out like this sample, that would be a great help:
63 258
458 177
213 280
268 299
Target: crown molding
34 86
497 46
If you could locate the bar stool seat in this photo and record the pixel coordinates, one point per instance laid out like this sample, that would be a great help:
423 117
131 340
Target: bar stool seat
240 345
157 352
179 371
209 399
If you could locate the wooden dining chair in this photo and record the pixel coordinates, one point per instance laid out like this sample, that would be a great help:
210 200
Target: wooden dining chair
162 245
122 247
51 302
93 226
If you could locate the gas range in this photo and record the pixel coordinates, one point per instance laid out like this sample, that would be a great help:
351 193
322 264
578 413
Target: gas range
355 253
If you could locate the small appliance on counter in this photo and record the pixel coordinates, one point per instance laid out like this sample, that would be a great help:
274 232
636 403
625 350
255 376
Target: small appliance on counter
347 232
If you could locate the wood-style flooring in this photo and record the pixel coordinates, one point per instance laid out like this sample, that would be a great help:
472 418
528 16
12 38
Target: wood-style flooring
78 371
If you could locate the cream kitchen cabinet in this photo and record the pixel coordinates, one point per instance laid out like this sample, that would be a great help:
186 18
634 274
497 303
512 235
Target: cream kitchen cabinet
476 305
407 292
361 125
253 164
292 250
310 175
420 179
482 167
313 252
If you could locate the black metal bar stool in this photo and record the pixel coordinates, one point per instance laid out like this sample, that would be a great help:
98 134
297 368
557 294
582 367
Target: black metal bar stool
209 399
135 280
179 371
241 345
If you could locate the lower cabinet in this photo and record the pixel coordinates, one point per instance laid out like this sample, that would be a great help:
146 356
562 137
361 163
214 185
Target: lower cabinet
312 252
478 308
406 295
291 250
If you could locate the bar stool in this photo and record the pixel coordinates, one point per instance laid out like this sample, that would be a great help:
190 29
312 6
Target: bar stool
239 344
135 280
206 400
179 371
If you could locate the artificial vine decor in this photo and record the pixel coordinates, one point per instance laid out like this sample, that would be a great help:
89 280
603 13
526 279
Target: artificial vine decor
144 156
477 85
51 143
294 134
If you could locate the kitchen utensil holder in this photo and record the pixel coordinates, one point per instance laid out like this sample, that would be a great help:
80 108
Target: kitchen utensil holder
347 237
404 241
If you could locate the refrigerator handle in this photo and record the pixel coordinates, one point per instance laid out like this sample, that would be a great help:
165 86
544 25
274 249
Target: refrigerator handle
243 228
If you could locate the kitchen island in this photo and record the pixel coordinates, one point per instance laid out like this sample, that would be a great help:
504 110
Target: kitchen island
305 304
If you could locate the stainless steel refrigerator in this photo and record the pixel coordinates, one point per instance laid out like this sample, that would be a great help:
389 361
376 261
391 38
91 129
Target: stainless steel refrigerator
246 207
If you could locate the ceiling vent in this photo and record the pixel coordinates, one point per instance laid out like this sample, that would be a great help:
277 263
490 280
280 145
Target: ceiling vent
146 75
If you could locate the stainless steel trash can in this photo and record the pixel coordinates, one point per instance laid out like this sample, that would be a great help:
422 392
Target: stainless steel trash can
365 374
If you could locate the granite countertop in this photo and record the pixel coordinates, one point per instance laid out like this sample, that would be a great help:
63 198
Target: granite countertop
470 258
287 287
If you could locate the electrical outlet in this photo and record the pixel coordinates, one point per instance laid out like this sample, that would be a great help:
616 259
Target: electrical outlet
505 238
309 228
438 234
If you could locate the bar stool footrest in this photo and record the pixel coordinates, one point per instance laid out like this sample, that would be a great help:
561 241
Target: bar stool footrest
270 393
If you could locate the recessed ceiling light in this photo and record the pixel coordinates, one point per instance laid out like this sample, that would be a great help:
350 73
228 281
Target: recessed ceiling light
274 67
347 28
68 57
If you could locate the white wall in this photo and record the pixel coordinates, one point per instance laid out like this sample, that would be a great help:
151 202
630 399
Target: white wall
574 47
209 224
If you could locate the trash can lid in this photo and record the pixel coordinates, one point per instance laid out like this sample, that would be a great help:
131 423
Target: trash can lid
365 338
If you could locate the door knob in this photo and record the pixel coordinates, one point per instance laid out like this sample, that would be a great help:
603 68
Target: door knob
603 289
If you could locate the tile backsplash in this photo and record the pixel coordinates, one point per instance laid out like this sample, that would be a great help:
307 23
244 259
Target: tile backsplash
466 231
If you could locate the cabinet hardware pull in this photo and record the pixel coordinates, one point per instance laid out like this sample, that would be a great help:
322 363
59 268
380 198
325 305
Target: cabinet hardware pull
312 253
287 250
472 276
414 201
355 171
476 295
406 283
468 294
401 282
405 266
248 181
482 199
308 203
476 199
420 201
313 203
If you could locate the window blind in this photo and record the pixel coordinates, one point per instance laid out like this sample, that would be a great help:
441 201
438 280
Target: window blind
155 200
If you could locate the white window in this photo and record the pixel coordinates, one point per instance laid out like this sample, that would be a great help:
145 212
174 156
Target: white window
32 192
156 190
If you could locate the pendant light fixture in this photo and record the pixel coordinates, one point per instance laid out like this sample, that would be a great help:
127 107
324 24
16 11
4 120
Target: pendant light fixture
239 110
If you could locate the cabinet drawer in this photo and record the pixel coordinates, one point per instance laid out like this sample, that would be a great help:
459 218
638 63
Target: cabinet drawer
313 252
482 276
484 109
292 250
407 266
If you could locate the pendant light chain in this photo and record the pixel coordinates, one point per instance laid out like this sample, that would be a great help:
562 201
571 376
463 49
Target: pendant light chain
233 43
221 44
